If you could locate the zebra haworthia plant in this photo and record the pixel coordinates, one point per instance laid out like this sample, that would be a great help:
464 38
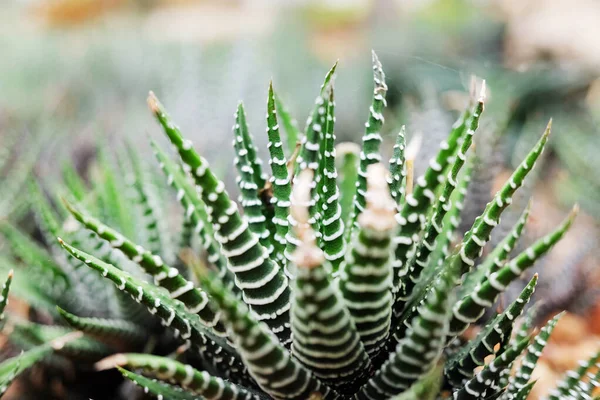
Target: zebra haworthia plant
309 295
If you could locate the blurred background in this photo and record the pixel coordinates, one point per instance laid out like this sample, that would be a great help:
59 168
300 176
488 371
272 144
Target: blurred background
74 75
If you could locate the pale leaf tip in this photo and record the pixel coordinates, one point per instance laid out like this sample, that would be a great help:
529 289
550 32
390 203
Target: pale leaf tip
347 148
11 273
67 204
307 254
483 92
374 56
380 210
292 160
315 396
529 204
574 210
182 349
116 360
153 102
300 197
548 129
59 344
414 146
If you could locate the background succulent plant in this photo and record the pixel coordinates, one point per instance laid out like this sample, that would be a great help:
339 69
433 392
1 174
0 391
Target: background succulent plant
62 295
305 293
19 152
12 367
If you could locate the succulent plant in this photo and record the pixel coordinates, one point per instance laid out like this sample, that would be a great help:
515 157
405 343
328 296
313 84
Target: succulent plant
302 293
12 367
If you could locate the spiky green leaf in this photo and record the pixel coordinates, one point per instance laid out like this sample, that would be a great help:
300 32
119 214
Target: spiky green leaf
468 309
371 140
172 313
264 286
184 375
521 378
110 330
462 366
484 382
366 273
179 288
157 389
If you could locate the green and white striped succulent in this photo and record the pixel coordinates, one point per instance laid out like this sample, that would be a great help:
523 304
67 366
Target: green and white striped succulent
306 294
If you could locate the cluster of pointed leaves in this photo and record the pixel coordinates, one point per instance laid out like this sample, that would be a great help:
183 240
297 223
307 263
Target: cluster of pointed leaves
12 367
69 296
335 277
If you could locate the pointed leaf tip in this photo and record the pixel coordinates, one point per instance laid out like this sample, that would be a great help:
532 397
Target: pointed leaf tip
347 148
413 146
68 205
307 254
483 92
548 129
59 343
328 78
11 273
153 102
300 197
374 57
575 209
529 204
380 210
570 218
110 362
